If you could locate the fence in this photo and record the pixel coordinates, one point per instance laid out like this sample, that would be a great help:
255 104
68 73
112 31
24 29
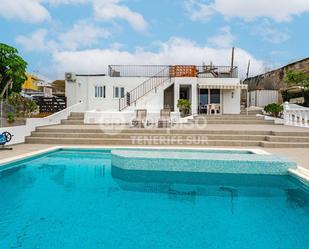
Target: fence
134 70
5 110
50 104
296 115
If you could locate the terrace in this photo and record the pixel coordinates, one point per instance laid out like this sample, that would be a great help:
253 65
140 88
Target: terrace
205 71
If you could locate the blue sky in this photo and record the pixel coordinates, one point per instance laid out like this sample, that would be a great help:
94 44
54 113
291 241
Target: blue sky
84 36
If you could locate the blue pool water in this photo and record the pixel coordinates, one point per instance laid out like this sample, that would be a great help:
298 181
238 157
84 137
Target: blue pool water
76 199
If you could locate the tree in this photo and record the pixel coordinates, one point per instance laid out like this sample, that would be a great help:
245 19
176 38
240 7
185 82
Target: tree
297 78
12 69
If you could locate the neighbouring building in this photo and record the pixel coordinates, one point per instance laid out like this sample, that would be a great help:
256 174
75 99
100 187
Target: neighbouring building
270 87
210 89
36 85
274 80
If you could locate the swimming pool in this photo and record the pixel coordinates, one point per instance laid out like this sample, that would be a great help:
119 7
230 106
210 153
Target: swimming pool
77 199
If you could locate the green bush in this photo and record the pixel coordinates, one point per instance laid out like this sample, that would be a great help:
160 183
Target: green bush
273 109
10 117
184 106
29 107
22 106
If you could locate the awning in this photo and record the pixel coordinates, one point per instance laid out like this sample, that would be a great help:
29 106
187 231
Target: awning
218 86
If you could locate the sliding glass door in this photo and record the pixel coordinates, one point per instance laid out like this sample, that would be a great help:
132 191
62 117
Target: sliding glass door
215 96
209 99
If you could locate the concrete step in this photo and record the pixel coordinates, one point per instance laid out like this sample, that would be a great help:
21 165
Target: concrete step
72 122
130 135
142 142
232 121
288 139
75 118
251 111
79 114
228 117
291 134
166 142
268 144
141 131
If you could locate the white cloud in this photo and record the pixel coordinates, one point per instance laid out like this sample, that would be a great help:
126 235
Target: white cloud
31 11
59 2
112 9
270 34
35 41
174 51
224 39
278 10
197 10
83 34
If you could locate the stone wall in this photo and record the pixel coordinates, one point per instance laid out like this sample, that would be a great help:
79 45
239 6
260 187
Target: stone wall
274 80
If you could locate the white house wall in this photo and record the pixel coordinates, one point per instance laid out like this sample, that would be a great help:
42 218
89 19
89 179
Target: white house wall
83 90
231 101
182 81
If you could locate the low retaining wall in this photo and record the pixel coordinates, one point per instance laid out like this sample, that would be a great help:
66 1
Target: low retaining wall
21 132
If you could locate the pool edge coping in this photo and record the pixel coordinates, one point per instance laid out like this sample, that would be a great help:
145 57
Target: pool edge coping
300 172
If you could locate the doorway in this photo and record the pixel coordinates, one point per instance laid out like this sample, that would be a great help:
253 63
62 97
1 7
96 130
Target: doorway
210 101
168 101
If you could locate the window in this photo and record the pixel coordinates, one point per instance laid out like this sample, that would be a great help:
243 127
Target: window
122 92
118 92
214 96
99 91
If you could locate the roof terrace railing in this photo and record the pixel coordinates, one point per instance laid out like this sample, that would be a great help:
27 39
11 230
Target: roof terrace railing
134 70
209 71
206 71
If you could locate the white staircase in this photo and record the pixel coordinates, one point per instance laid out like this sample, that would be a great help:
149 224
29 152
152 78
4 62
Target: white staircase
148 94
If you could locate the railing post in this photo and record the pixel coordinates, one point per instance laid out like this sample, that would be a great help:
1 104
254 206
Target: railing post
286 114
306 118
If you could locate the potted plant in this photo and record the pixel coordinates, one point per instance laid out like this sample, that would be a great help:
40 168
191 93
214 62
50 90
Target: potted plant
273 109
184 107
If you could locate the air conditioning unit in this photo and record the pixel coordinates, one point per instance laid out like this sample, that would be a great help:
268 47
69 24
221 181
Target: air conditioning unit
70 77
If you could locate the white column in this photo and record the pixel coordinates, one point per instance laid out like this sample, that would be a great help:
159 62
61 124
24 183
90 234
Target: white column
194 99
176 96
286 113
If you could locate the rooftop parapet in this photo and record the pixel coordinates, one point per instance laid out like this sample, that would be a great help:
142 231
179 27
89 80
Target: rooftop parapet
205 71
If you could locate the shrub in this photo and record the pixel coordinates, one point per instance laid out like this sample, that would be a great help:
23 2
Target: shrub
273 109
10 117
29 107
22 106
184 106
16 100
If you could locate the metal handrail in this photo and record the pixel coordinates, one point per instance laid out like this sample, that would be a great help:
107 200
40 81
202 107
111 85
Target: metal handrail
144 88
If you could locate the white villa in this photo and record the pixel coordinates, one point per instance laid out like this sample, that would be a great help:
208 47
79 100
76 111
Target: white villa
210 90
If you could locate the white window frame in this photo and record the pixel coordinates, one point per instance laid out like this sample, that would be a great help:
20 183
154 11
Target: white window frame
119 90
99 92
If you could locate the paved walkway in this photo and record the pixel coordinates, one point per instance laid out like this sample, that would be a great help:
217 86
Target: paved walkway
300 155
